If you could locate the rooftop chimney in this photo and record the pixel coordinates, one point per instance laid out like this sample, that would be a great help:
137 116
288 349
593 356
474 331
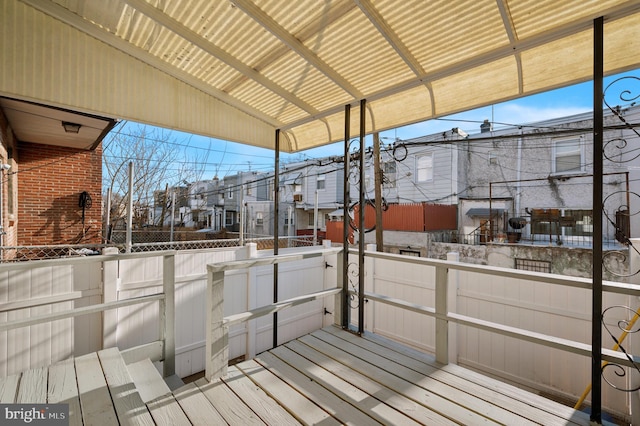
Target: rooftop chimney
485 126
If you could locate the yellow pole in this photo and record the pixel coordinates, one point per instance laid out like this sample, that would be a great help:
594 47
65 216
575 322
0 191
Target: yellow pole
615 348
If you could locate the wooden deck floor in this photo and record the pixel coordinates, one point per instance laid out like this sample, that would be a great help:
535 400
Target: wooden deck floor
327 377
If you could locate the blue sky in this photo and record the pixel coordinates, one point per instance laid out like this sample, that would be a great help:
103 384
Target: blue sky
228 158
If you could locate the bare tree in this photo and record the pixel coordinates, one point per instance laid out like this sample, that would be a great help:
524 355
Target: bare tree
159 160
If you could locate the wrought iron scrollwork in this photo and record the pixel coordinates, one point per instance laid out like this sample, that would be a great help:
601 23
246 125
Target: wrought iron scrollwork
615 374
352 276
626 91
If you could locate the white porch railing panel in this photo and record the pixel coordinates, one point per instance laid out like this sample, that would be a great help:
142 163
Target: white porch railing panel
295 279
490 294
55 286
139 324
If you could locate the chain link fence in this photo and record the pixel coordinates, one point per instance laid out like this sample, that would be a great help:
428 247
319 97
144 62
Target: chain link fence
29 253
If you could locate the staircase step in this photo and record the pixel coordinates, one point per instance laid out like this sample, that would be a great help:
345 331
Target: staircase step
148 380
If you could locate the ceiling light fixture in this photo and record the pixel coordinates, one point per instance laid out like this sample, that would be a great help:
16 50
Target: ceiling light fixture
71 127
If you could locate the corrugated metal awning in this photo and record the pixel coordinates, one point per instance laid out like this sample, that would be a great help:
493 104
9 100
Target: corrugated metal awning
483 212
240 69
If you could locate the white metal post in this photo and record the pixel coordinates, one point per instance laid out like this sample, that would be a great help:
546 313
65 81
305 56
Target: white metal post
129 210
442 325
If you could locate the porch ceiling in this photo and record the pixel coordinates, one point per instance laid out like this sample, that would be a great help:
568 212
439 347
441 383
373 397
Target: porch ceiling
239 69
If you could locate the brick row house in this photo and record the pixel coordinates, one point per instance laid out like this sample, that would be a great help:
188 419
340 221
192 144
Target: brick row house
51 161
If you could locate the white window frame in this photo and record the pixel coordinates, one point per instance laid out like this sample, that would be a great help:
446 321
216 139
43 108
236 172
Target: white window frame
324 183
429 177
391 177
555 155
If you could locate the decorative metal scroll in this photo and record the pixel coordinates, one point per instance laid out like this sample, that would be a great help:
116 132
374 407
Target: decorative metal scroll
622 91
615 374
352 276
625 91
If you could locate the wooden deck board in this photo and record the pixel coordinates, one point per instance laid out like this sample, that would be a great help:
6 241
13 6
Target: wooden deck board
63 389
262 404
301 408
337 385
527 404
327 377
401 403
95 401
165 410
229 405
9 388
33 386
397 378
336 406
196 406
126 399
422 375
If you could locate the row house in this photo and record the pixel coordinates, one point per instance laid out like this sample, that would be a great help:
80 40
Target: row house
533 182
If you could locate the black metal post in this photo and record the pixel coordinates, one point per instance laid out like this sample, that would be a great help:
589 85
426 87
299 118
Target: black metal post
363 107
345 220
276 217
596 314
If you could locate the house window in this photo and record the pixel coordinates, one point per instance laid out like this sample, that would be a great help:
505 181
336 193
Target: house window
270 189
311 216
259 219
533 265
248 190
493 157
413 253
228 218
567 156
424 168
230 193
389 174
320 183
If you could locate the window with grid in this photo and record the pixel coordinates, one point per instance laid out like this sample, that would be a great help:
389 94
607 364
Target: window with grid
533 265
567 156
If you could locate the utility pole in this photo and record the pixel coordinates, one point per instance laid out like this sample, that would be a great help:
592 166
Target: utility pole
378 191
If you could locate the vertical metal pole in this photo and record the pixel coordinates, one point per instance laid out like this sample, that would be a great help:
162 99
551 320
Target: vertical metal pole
129 210
345 220
363 107
378 191
315 219
276 215
242 214
107 233
173 213
596 314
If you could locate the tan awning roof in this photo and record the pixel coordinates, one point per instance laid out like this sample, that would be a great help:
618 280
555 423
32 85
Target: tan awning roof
238 70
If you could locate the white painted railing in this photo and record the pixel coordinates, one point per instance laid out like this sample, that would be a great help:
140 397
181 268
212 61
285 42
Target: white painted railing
526 327
443 316
217 326
161 349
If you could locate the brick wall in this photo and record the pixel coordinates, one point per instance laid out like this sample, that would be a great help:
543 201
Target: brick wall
50 182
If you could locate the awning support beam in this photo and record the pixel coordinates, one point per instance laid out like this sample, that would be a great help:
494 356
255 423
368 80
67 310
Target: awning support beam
596 314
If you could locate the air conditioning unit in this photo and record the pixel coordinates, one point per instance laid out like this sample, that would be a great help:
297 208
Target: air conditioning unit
297 197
